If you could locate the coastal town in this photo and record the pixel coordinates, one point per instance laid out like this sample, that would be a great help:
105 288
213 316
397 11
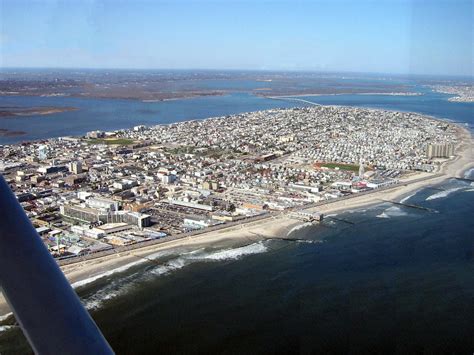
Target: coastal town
461 93
125 188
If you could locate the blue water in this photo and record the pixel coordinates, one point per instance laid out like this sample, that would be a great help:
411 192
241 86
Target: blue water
112 114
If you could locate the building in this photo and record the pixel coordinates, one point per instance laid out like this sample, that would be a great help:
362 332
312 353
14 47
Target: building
361 170
198 206
95 134
111 228
102 204
342 185
75 179
196 223
138 219
139 128
82 214
42 152
51 169
445 150
75 167
85 214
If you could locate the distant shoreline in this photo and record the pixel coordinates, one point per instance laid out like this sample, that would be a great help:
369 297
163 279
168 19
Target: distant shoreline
17 111
281 96
8 133
143 97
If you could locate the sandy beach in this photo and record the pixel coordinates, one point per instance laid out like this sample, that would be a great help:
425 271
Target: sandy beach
278 226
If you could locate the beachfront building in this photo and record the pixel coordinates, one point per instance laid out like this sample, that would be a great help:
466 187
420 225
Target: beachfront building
444 150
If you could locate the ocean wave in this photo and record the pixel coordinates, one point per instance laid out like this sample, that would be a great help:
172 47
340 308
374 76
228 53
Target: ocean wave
111 290
5 317
309 241
468 173
444 193
5 327
395 211
107 273
237 253
123 268
382 215
405 199
298 227
171 265
121 286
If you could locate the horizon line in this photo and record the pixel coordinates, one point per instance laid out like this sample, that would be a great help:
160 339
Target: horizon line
322 71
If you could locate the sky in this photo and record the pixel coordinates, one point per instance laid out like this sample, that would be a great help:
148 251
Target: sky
398 36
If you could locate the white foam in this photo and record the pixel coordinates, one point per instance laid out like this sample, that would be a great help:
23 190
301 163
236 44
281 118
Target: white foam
119 287
171 265
112 290
5 327
469 190
236 253
123 267
107 273
298 227
383 215
444 193
405 199
309 241
395 211
4 317
468 173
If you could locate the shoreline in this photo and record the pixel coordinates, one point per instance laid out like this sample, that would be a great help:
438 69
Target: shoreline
9 112
271 227
408 93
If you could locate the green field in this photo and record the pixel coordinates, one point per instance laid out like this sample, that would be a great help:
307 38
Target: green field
118 141
349 167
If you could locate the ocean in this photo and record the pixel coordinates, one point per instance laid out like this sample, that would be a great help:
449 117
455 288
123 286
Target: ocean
381 279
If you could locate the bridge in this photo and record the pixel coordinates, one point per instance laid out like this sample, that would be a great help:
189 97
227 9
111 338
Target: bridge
284 98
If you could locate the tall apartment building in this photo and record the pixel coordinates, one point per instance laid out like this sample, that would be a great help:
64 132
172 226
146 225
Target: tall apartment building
75 167
85 214
444 150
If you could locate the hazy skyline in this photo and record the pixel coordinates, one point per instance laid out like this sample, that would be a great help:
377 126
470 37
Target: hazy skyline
407 37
